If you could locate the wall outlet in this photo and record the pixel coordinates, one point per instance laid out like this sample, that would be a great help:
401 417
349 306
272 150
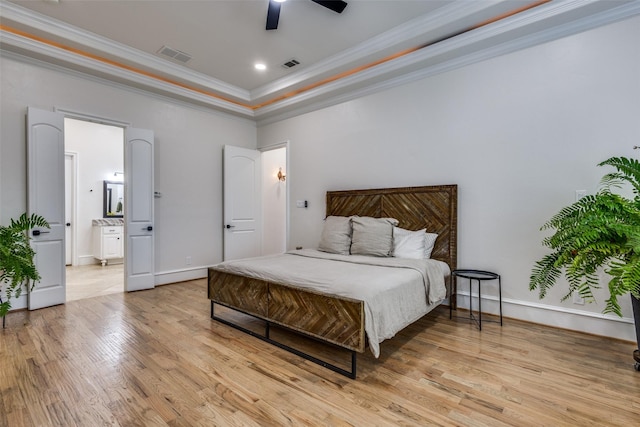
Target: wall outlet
188 260
577 299
299 203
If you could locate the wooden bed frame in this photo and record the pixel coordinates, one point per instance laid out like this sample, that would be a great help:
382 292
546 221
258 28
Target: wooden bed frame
431 207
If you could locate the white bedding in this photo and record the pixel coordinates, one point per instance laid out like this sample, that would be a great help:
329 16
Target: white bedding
396 292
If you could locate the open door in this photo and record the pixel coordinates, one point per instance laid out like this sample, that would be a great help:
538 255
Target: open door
45 197
242 203
138 215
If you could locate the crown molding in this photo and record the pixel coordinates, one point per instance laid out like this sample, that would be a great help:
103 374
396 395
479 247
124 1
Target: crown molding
89 66
283 110
65 58
109 81
94 42
416 28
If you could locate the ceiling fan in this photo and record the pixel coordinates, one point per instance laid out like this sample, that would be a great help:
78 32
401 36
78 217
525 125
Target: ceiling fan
273 12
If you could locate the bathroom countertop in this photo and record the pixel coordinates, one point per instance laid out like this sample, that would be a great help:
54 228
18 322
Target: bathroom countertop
107 222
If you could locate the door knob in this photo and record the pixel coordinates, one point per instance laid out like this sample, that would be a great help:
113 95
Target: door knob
68 224
149 228
230 226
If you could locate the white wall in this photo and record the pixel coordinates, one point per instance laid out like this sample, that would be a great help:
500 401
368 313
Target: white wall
188 156
519 134
274 202
100 153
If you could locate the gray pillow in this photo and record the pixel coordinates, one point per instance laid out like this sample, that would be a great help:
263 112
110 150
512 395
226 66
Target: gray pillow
372 236
336 235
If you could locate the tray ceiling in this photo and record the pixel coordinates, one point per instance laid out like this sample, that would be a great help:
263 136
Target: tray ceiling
372 45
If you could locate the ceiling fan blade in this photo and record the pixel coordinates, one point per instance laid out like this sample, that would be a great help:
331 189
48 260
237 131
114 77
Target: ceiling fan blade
336 6
273 15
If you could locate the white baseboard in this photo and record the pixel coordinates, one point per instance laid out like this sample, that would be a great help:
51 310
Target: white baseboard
18 304
87 260
560 317
90 260
173 276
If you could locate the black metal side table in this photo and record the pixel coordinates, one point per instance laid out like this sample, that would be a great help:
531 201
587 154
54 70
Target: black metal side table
479 276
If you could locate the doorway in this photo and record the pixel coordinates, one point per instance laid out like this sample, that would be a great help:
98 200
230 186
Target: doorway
94 154
255 201
274 199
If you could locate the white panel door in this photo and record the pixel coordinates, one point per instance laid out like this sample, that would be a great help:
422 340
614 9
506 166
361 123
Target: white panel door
138 210
242 203
45 188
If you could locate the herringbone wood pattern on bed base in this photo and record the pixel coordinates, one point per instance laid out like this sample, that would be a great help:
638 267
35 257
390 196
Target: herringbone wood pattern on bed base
244 293
334 319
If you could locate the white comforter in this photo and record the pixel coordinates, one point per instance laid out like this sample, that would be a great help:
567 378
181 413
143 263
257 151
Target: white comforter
396 292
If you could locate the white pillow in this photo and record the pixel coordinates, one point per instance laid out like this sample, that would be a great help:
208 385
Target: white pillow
429 243
372 236
408 244
413 244
336 235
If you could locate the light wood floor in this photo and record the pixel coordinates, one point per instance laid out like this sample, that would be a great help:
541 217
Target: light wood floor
155 358
88 281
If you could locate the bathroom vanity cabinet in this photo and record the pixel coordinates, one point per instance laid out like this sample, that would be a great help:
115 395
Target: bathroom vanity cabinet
108 242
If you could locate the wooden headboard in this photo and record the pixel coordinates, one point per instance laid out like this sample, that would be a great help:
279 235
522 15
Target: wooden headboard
433 207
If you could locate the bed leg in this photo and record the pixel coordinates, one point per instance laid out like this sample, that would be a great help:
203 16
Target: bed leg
452 297
353 364
212 308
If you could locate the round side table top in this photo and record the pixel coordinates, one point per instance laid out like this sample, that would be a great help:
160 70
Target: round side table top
475 274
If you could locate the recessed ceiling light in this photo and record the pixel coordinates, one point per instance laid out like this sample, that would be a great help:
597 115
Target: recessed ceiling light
260 66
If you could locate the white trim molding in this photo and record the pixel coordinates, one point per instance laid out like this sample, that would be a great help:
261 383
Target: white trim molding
180 275
560 317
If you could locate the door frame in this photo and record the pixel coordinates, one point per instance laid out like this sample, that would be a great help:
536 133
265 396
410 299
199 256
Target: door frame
284 144
92 118
73 241
72 114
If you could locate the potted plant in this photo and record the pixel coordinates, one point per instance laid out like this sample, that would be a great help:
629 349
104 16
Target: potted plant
598 231
16 259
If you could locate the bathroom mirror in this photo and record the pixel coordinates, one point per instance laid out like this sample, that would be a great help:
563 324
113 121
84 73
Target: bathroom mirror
113 199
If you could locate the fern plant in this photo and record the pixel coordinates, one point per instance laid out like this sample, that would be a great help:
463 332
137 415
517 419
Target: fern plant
16 258
597 231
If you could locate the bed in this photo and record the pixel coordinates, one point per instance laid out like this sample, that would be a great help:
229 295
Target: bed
351 312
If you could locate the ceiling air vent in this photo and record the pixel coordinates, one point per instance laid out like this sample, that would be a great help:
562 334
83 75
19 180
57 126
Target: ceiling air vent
291 63
175 54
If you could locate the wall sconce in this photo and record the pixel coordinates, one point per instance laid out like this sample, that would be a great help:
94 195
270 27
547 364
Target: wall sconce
281 176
